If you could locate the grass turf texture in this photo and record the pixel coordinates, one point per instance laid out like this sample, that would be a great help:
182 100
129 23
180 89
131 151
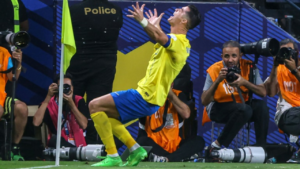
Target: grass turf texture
185 165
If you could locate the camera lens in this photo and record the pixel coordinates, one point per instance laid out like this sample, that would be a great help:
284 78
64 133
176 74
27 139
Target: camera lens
67 88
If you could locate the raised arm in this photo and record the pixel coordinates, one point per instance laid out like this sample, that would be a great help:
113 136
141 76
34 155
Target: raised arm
271 82
18 56
210 87
182 108
153 31
40 113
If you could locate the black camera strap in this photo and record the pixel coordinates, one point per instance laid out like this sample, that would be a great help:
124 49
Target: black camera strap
241 96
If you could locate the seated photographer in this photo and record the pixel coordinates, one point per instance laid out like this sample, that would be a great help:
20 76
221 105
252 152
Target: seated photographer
20 108
226 89
163 130
74 117
78 129
284 81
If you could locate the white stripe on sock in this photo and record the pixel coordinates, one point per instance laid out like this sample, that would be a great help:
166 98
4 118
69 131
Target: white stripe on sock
134 147
113 155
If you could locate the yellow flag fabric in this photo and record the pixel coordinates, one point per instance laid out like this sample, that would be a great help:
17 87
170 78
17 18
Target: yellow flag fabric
67 36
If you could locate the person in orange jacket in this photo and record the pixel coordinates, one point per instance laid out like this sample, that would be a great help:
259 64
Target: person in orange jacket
226 93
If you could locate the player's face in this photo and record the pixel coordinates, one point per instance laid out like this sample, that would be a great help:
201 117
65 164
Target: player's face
179 15
231 56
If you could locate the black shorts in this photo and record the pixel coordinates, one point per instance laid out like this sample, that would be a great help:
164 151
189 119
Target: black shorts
7 106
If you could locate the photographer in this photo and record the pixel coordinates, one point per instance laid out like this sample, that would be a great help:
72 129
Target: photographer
7 24
284 81
226 81
20 108
74 117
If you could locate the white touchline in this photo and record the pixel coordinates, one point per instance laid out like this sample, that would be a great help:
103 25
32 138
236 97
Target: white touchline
47 166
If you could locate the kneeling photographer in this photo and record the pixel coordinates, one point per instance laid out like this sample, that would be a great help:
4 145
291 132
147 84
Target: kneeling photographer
225 92
284 81
74 117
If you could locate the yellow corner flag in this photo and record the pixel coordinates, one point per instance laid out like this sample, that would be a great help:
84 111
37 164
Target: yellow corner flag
67 35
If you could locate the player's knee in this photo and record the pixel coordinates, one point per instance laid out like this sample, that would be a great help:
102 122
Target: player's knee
21 109
93 106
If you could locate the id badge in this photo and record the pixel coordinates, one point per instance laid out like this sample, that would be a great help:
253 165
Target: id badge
293 139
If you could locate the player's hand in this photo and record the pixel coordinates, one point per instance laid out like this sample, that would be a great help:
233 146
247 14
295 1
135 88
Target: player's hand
153 19
137 12
17 54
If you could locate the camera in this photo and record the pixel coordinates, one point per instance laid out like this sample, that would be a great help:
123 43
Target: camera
252 154
286 53
86 153
264 47
242 155
20 39
230 76
66 89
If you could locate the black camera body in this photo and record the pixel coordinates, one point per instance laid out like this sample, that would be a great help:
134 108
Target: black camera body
20 39
66 89
286 53
230 76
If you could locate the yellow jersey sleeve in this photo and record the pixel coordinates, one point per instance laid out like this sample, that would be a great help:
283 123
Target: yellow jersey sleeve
179 46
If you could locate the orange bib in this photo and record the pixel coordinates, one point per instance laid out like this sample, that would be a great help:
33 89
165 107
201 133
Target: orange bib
223 92
4 58
168 138
289 86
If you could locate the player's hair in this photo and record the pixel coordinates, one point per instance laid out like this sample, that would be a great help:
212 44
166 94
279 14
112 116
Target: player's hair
194 17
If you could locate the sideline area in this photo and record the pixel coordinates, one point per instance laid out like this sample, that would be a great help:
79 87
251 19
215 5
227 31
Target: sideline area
86 165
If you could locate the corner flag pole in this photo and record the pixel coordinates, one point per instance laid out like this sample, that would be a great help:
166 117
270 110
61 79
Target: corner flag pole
60 101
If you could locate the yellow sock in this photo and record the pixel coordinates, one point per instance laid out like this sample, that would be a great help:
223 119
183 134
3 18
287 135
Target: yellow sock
103 127
122 133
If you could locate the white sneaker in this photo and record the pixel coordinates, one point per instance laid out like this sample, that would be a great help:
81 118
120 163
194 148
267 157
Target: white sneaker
156 158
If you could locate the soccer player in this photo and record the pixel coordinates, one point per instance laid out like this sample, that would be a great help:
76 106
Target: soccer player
111 111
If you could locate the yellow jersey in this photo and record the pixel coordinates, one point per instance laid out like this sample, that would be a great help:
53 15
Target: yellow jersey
164 66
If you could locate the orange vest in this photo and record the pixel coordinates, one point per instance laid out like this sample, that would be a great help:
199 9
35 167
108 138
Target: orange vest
4 58
223 92
289 86
168 138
